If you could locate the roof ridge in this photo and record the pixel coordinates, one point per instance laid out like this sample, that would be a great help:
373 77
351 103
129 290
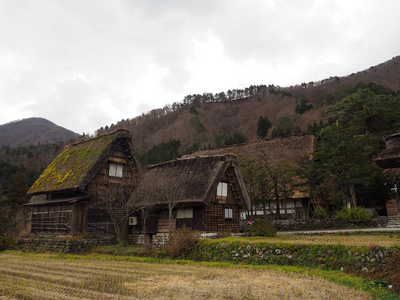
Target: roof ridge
228 157
100 136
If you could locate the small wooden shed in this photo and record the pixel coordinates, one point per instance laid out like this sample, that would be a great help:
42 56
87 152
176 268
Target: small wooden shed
205 193
65 198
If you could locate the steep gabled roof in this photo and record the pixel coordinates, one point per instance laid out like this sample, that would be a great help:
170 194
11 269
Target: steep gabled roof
289 149
78 163
390 157
195 177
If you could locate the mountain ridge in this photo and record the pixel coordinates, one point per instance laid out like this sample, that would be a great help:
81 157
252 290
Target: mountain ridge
33 131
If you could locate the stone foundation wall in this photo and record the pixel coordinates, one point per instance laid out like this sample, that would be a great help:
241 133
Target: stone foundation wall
139 239
161 239
64 245
157 240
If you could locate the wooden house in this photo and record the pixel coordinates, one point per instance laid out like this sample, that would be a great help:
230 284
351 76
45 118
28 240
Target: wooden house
289 150
68 197
205 193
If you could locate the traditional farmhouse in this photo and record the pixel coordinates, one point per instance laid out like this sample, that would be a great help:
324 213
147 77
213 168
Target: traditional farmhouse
205 193
289 150
390 159
69 197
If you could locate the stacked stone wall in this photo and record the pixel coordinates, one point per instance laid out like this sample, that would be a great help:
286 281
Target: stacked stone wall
64 245
326 256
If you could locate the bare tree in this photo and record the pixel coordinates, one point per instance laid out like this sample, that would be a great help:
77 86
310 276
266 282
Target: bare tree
113 198
141 201
281 177
171 189
160 189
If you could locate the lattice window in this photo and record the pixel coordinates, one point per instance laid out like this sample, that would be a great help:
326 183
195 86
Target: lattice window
228 213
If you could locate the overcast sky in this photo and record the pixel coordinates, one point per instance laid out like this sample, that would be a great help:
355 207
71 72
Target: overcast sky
86 64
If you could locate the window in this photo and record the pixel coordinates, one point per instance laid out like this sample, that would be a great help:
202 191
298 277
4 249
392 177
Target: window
228 213
115 170
184 213
222 190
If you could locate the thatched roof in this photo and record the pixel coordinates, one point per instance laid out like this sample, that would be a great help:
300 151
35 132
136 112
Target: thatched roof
390 157
288 149
78 163
192 180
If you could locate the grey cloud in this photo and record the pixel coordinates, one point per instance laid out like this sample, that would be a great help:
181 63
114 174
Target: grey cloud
59 59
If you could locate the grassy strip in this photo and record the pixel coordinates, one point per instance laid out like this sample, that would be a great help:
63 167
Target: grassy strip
372 239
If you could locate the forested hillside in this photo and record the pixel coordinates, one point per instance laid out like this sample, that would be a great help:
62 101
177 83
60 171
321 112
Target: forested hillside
238 115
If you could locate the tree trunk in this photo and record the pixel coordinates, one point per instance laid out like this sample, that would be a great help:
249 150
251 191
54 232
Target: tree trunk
345 196
353 200
264 210
123 229
285 204
278 206
170 221
144 223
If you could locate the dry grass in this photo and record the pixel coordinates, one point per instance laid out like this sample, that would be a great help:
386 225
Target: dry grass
46 276
378 240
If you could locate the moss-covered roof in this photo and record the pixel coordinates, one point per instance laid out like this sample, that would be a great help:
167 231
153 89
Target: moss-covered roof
77 164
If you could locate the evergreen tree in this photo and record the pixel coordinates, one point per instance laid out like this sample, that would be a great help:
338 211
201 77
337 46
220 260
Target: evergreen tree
17 189
263 126
297 130
303 106
285 126
275 133
311 175
344 157
368 111
160 153
196 123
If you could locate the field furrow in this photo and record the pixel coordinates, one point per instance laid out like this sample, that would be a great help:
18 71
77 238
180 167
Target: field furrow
46 276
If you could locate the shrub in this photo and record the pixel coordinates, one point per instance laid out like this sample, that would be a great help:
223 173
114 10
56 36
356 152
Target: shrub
261 227
356 215
182 241
320 213
7 243
224 233
123 243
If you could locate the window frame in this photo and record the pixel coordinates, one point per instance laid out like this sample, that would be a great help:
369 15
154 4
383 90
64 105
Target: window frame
187 213
230 213
222 191
115 170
